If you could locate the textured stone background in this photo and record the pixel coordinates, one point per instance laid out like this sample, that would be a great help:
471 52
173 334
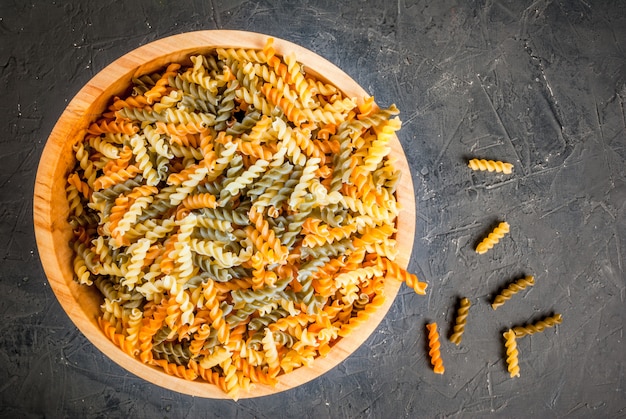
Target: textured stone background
541 84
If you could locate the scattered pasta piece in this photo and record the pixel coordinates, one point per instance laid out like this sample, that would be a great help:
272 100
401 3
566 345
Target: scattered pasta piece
540 326
511 353
237 215
461 321
512 289
434 345
493 238
491 165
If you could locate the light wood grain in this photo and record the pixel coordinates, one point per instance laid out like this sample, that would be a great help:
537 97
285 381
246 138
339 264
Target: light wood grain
51 209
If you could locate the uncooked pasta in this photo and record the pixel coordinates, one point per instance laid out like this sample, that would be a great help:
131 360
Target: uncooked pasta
512 289
512 353
434 351
491 166
238 216
493 238
539 326
461 321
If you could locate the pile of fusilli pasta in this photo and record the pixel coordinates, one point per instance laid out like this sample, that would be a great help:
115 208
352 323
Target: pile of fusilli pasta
237 215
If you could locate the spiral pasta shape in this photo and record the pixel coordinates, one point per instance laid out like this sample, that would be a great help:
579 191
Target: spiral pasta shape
322 278
242 55
224 258
461 321
138 252
122 162
271 353
83 274
237 216
150 326
187 186
79 186
318 116
143 160
333 234
493 238
129 102
160 87
197 201
168 101
277 98
202 79
117 338
434 345
287 135
194 94
298 81
358 206
540 326
255 149
380 148
227 103
129 218
362 315
114 127
115 178
512 289
176 370
245 179
491 165
299 191
109 150
140 114
275 63
262 226
85 163
179 131
512 353
216 313
251 97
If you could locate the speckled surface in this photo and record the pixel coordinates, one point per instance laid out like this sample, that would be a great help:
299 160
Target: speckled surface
540 84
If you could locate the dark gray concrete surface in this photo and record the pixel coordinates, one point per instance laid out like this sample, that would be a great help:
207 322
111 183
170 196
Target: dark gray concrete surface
541 84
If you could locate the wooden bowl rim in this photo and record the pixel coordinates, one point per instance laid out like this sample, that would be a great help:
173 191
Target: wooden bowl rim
52 231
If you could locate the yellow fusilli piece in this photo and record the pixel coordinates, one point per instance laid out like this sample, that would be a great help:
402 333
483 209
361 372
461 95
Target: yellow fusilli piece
493 238
491 165
540 326
237 215
434 345
461 321
511 353
512 289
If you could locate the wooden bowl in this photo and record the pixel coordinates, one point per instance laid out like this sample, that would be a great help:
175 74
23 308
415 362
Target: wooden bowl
53 233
